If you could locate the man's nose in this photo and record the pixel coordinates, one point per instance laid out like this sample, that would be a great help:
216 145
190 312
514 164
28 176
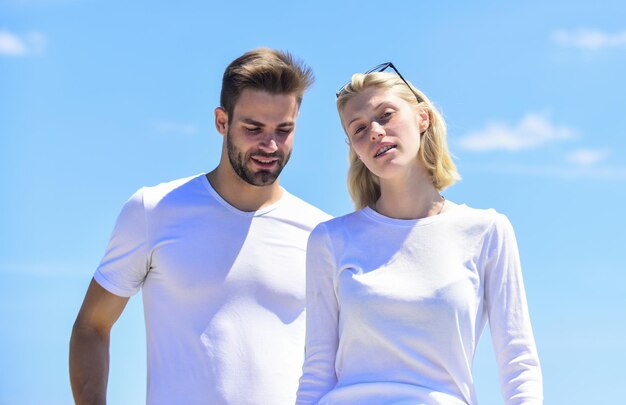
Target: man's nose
268 143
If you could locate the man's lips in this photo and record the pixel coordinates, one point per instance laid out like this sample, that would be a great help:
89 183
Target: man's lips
264 161
384 148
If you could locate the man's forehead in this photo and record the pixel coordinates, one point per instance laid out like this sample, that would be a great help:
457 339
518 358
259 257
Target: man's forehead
264 107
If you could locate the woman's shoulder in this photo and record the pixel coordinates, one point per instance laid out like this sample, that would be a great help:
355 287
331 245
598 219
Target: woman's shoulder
342 222
484 218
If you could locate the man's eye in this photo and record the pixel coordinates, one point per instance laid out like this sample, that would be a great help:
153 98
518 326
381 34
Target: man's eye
252 130
284 131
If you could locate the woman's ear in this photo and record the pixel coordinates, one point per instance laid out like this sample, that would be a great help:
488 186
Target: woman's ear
423 119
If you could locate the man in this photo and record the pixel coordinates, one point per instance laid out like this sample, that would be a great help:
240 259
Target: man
219 258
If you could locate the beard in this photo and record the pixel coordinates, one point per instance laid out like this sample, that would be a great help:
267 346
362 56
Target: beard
239 162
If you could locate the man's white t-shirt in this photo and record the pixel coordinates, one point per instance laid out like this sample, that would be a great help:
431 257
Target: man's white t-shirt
223 292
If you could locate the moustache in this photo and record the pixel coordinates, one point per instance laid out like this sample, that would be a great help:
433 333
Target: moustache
259 153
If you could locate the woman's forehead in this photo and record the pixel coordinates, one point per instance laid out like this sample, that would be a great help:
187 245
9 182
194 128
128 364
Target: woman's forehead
370 99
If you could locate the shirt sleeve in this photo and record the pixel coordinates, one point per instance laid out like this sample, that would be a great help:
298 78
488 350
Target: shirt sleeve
322 310
509 320
125 264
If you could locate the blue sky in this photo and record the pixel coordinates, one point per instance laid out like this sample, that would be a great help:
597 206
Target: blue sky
100 98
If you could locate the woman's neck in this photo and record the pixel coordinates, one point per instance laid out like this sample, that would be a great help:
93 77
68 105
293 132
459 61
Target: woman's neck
410 197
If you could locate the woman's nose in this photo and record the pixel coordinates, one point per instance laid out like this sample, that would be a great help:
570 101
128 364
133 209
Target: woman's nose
377 131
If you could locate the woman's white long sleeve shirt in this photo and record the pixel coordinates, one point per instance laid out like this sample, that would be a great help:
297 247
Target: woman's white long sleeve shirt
395 309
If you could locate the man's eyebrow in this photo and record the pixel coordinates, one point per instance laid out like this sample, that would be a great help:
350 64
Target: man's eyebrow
259 124
252 122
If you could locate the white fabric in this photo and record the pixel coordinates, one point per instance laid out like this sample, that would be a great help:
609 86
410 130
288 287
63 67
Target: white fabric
223 292
395 309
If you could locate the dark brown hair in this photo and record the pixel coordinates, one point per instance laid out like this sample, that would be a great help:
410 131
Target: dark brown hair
271 70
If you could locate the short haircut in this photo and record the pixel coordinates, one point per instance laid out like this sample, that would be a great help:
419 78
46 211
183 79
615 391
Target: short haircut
363 185
271 70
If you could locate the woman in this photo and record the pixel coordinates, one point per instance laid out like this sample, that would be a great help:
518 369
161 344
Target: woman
399 291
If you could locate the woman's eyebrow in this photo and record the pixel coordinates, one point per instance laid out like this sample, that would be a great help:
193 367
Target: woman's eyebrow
359 117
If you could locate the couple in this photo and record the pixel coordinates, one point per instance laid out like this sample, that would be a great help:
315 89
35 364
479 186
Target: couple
397 293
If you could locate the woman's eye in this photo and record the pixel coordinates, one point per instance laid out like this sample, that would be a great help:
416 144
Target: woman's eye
359 129
387 114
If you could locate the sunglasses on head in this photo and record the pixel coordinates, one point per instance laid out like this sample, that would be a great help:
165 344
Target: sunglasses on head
381 68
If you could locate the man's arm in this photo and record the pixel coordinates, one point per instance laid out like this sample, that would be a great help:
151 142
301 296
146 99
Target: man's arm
89 345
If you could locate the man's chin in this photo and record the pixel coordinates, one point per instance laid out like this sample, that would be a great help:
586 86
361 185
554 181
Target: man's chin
261 178
264 178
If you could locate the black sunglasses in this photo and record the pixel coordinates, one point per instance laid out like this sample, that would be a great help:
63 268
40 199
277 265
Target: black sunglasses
381 68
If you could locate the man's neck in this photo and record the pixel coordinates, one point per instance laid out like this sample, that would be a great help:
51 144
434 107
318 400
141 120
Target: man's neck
241 195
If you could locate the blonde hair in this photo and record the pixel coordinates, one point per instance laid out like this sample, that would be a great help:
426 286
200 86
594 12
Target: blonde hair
363 185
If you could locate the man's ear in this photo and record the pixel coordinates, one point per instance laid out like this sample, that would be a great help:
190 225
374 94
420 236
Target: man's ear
221 121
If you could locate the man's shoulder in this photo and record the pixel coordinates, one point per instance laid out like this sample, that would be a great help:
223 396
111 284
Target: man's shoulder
170 190
305 211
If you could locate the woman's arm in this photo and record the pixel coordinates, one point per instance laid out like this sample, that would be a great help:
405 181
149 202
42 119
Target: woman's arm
321 320
509 320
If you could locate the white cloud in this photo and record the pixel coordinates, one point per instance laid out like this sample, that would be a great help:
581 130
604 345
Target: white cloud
175 128
13 45
588 157
36 42
589 39
533 131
